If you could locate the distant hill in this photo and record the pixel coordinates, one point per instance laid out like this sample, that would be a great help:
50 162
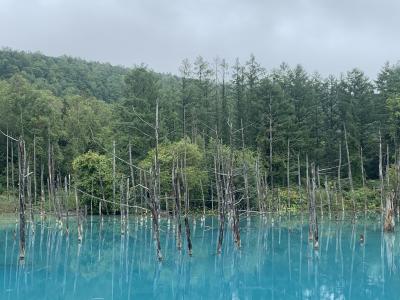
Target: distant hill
65 74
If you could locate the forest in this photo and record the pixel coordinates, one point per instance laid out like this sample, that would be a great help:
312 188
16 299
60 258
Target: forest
95 123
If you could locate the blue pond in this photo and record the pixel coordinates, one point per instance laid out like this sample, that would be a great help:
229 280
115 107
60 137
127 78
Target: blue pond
276 261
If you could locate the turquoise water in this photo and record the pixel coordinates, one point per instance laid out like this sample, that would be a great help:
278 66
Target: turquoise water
275 262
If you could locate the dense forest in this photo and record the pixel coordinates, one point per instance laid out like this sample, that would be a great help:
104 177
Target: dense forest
96 117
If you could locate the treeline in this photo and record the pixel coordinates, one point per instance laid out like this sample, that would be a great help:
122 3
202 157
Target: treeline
65 75
275 118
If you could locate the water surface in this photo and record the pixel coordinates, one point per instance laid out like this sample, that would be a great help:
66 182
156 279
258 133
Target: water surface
276 261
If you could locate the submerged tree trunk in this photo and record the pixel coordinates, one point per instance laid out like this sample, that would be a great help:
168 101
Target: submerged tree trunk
328 198
22 176
349 170
176 189
310 218
299 177
339 176
34 170
362 167
78 218
389 213
288 172
381 170
42 194
7 169
314 212
245 178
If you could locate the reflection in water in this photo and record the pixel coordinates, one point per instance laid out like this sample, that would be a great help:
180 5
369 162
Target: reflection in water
276 261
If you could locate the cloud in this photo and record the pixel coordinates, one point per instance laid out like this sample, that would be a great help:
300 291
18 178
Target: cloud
323 35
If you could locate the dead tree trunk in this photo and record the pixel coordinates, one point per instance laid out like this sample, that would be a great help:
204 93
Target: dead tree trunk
221 200
387 167
328 198
132 176
231 193
288 172
7 169
245 178
66 197
381 170
362 167
309 204
271 176
12 167
258 187
339 176
42 195
203 199
299 178
186 199
349 168
29 194
389 213
319 193
22 176
176 189
126 210
153 190
397 192
34 170
121 208
78 217
314 212
113 176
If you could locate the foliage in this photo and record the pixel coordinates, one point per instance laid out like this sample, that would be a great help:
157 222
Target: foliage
80 107
93 175
180 151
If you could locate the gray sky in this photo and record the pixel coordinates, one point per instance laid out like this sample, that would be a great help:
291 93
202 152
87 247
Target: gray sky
329 36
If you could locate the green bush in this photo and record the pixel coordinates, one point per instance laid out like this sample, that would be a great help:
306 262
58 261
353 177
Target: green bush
93 175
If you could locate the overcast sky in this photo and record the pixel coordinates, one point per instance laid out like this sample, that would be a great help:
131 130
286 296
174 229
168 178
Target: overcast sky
329 36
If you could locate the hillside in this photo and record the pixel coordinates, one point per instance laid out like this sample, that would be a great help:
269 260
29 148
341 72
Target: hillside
65 75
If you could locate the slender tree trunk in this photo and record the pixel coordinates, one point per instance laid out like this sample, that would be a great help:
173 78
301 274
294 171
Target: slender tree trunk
127 205
29 195
34 170
309 202
271 176
246 184
221 201
157 189
288 172
362 167
328 198
381 170
397 192
66 197
21 185
114 183
7 170
389 222
78 218
203 199
339 176
132 176
349 168
42 194
299 177
258 184
176 188
12 167
121 208
387 167
314 212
